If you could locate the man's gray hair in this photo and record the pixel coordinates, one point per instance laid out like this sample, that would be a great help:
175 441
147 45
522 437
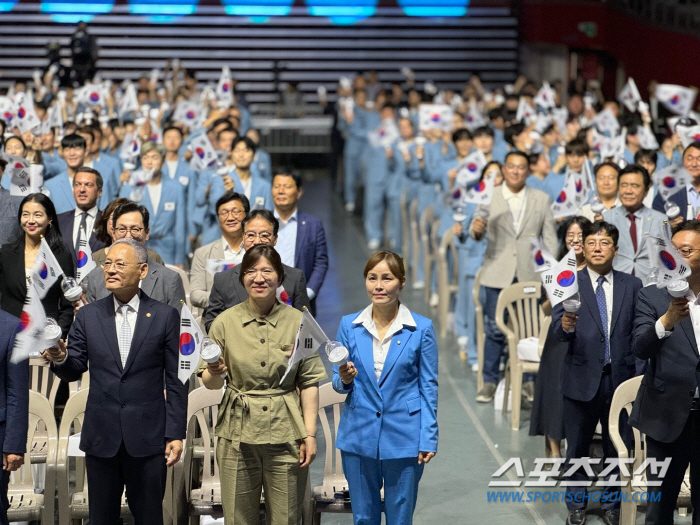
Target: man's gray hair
139 249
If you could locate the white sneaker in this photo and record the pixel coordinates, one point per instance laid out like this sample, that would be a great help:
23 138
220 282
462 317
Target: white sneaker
434 300
349 207
475 367
418 285
373 244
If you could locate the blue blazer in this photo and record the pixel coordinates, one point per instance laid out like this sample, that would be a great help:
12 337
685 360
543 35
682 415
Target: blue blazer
168 227
61 192
187 177
397 416
263 162
53 164
311 253
127 403
14 391
110 170
679 198
583 363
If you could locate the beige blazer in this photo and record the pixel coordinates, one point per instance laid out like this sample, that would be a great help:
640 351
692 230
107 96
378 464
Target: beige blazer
508 252
201 280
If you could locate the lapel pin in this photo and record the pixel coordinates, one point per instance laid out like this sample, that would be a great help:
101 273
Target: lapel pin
148 314
398 342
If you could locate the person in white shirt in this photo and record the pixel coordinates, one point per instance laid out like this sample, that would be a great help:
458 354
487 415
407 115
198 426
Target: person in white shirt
605 175
223 253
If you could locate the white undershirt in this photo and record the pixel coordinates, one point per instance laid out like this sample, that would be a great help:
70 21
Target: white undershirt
89 222
154 192
380 349
172 168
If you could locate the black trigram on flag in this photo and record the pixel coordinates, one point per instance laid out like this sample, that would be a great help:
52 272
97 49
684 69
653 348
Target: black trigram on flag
184 365
185 322
82 243
558 293
308 342
547 279
571 262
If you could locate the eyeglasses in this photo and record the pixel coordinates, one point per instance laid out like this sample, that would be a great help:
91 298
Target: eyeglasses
603 244
574 236
252 272
263 236
687 252
134 230
118 265
235 213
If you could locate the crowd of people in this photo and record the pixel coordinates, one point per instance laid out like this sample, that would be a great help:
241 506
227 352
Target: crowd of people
164 175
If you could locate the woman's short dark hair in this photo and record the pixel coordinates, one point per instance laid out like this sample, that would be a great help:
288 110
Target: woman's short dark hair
648 155
487 168
393 261
53 232
262 251
17 138
582 222
101 230
461 134
233 196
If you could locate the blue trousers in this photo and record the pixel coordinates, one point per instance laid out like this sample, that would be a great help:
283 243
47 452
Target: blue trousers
352 167
374 211
495 340
365 476
465 315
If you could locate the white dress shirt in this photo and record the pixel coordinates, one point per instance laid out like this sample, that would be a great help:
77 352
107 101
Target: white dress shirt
639 222
287 238
694 310
693 201
380 349
172 167
89 222
231 255
154 192
516 204
607 290
131 316
247 185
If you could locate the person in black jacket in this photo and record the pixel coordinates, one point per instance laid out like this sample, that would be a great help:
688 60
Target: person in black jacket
37 218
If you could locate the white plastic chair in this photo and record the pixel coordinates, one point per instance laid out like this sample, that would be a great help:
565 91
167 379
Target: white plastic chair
448 282
185 282
480 331
415 237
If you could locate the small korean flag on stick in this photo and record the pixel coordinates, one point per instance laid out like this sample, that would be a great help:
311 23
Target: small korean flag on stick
482 192
190 345
541 256
629 95
560 281
470 168
85 261
310 339
671 265
572 196
30 336
215 266
203 153
678 99
671 180
46 270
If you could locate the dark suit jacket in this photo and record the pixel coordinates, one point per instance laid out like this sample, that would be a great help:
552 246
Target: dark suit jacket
9 210
66 221
127 404
14 391
679 198
14 285
161 284
668 386
227 291
311 254
584 360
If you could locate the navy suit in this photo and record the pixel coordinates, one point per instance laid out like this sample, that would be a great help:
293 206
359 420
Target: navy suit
66 221
679 198
587 383
664 408
311 253
14 403
127 417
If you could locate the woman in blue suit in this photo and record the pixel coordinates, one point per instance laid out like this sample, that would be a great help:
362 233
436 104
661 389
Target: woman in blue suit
388 430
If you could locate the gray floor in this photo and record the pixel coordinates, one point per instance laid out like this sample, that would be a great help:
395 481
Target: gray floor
475 440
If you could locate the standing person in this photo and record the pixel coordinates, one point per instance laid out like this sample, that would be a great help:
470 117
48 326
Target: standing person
9 206
516 214
388 430
687 200
301 241
606 174
14 406
266 426
80 223
83 47
667 408
37 218
599 358
60 187
635 222
231 210
547 418
130 433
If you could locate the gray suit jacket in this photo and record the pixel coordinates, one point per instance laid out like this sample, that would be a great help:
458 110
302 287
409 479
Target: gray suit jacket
201 280
9 209
652 223
227 291
161 284
508 252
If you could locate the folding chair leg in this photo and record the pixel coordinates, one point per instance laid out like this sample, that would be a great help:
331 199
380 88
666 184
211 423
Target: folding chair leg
517 389
628 510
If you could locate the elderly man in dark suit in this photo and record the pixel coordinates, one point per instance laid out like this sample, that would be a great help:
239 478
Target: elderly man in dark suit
160 283
599 357
667 408
79 224
131 431
301 241
14 408
259 227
